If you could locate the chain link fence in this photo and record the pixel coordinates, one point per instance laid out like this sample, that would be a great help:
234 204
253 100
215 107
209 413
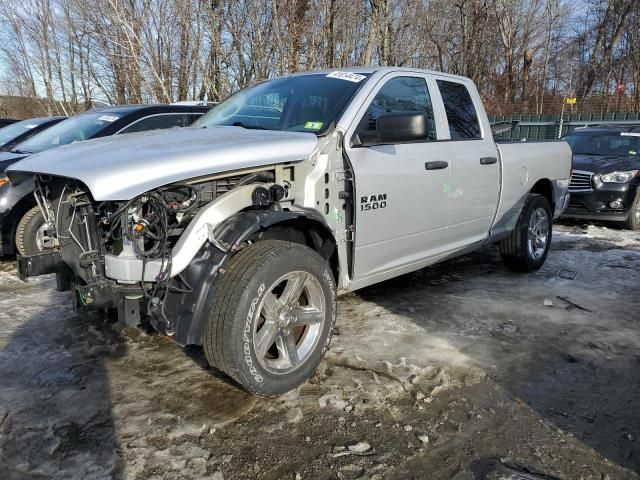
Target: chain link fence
549 127
555 105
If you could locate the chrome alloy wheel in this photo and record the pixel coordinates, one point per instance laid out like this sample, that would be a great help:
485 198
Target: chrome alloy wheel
538 233
291 319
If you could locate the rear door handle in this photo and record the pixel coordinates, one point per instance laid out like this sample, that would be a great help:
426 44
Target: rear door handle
488 160
439 165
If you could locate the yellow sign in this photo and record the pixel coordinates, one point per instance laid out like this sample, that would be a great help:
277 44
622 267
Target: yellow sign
570 100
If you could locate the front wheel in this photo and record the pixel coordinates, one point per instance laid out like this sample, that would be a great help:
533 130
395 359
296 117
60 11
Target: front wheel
633 222
271 318
527 247
33 234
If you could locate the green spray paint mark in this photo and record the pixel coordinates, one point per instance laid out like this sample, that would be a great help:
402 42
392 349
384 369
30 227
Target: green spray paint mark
337 215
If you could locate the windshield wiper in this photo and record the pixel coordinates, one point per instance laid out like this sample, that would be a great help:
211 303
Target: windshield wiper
21 152
247 126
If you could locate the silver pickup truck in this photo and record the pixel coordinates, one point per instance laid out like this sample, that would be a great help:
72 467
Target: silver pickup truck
238 233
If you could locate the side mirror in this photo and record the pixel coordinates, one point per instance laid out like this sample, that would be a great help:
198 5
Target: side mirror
395 128
502 127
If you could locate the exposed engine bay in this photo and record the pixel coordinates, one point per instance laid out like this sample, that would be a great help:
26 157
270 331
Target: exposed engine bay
88 234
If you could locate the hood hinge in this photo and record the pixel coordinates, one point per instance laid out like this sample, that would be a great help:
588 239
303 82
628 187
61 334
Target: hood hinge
344 175
349 233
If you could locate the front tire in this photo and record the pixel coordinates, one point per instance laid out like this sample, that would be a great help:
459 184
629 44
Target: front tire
633 222
27 231
527 247
271 317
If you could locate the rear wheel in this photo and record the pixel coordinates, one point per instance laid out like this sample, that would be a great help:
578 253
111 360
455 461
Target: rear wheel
527 247
271 318
33 234
633 222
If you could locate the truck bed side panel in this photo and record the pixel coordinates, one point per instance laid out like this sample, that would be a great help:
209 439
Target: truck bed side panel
523 165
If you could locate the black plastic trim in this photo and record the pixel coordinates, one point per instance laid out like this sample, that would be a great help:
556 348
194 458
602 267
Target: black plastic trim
40 264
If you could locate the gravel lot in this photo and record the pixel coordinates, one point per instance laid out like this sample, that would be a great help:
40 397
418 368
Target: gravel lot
449 372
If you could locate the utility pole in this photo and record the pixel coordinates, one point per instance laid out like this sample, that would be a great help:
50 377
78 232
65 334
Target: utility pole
566 100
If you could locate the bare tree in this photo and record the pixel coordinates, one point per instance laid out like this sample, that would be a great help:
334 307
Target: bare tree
524 53
611 23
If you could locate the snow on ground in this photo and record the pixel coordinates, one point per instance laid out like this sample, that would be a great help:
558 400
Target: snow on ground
442 373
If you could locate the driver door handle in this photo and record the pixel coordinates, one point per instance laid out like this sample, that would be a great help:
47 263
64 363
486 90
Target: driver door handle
439 165
488 160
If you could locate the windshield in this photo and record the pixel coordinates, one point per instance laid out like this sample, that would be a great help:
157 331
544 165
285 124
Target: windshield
612 144
74 129
303 103
11 132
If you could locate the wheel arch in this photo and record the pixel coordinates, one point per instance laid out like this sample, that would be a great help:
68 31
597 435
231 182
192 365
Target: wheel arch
544 187
305 227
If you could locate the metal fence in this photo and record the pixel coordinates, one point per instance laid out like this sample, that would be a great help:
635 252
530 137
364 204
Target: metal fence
547 127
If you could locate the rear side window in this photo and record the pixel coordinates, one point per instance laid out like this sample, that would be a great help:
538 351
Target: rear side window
157 122
400 95
461 114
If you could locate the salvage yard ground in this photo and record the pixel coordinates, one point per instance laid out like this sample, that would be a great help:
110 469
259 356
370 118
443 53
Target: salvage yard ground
438 374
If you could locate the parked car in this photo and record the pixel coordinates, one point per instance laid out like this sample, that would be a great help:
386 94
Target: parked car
6 121
16 133
605 179
238 233
20 217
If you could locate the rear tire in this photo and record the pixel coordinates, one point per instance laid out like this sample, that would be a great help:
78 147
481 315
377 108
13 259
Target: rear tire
271 316
633 222
27 230
527 247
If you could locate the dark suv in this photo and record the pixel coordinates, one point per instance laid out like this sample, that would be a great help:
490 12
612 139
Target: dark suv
20 219
605 179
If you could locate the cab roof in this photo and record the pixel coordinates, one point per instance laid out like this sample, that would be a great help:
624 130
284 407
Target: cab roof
372 70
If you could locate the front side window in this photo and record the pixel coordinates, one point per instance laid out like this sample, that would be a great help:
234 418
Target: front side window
75 129
159 122
301 103
461 114
399 95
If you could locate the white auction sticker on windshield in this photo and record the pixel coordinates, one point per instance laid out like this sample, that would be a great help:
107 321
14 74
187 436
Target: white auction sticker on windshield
108 118
350 77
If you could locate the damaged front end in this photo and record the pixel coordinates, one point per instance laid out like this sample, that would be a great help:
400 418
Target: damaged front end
79 248
154 256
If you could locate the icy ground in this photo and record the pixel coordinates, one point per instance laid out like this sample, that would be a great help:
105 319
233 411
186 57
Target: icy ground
438 374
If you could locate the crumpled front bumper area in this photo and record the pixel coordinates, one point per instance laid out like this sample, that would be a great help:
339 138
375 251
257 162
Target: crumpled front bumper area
40 264
100 294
